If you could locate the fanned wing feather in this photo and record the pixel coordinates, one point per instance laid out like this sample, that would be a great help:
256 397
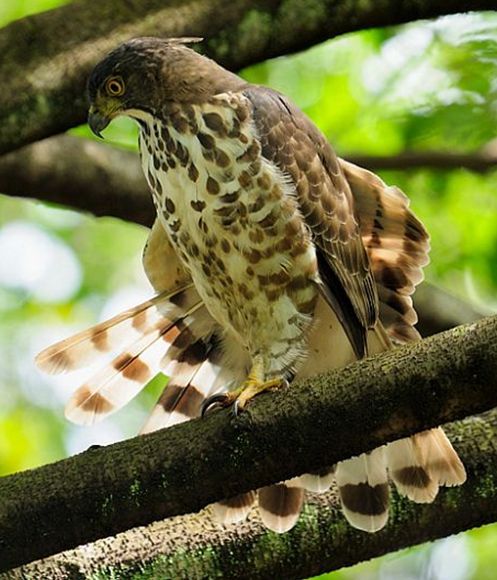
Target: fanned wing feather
117 383
85 347
397 245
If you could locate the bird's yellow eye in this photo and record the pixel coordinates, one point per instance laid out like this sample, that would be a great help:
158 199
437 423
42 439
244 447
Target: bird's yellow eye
114 86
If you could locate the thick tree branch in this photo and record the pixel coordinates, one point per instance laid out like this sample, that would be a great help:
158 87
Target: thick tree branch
102 492
193 547
46 58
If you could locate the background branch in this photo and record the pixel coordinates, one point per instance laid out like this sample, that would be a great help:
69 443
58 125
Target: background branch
479 161
105 491
46 58
193 547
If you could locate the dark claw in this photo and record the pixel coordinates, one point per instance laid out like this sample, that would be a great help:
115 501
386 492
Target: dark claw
236 409
218 400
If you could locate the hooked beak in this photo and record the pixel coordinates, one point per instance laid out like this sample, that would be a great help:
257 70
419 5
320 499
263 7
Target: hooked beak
97 121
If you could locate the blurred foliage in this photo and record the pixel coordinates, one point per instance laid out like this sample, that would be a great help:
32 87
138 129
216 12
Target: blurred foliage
427 85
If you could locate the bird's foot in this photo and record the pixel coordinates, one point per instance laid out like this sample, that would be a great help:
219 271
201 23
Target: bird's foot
239 398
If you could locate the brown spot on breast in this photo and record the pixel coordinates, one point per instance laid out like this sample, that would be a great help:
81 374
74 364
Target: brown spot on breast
241 113
175 226
182 155
245 292
180 123
221 158
225 246
244 179
264 181
212 186
270 219
256 235
215 122
257 205
230 197
170 207
299 248
192 172
198 205
298 283
252 255
272 294
207 141
251 154
206 269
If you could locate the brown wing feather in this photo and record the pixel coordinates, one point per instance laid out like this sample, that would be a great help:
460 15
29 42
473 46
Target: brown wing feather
295 145
397 244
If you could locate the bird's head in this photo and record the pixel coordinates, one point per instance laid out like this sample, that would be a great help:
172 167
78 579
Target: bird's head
140 76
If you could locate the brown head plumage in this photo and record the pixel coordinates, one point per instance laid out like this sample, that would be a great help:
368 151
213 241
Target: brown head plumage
142 74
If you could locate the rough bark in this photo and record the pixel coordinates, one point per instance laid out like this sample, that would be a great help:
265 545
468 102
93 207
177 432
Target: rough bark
46 58
105 491
193 547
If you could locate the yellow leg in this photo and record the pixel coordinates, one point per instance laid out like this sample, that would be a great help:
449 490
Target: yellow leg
252 386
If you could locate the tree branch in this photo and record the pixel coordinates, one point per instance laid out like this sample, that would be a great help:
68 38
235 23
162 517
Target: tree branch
46 58
193 547
102 492
479 161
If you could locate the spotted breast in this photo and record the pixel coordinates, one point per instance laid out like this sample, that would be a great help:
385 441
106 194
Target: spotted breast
233 217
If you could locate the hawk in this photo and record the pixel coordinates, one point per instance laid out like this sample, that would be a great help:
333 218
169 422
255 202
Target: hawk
272 259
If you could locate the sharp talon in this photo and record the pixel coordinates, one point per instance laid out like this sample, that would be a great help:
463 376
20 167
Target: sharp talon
218 400
236 409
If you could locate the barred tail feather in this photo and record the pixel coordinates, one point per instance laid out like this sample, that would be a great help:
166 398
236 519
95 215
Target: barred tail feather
85 347
363 487
317 482
279 506
234 509
408 471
